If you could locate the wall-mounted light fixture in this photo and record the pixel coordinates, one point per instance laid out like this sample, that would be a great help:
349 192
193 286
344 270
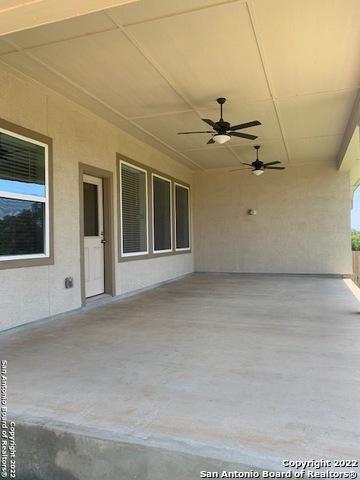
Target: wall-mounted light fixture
251 212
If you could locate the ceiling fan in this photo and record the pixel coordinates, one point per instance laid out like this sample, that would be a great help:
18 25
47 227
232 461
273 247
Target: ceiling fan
223 131
258 167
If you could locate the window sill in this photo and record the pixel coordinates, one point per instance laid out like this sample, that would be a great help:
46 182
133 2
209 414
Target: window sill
154 255
26 262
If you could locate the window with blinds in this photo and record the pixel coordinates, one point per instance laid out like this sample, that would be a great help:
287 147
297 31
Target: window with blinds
182 218
134 220
23 197
161 214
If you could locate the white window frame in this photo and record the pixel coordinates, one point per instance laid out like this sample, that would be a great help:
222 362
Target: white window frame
153 214
145 252
189 217
33 198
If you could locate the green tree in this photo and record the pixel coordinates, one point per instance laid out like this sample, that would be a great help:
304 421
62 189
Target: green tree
355 240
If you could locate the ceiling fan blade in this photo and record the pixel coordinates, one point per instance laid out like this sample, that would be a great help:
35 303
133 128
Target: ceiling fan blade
189 133
254 123
210 141
242 135
208 121
248 164
274 168
271 163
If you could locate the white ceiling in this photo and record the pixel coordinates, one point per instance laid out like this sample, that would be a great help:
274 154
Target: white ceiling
155 67
17 15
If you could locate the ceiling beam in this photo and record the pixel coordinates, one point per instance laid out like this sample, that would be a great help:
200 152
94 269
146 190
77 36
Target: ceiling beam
25 14
352 126
266 70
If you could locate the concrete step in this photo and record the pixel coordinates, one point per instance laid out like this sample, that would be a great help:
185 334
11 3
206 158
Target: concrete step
60 453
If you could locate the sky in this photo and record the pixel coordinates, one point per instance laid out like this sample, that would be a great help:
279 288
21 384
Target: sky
355 212
22 187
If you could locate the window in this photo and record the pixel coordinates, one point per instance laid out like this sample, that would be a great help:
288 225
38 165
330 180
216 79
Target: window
134 206
182 217
24 197
91 210
154 212
162 217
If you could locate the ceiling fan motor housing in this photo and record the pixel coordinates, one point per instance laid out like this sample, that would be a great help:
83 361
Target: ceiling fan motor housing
222 126
258 165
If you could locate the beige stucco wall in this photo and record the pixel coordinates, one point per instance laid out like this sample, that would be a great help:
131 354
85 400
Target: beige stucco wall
302 223
28 294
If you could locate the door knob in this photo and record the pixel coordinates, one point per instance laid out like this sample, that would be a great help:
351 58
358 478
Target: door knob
103 241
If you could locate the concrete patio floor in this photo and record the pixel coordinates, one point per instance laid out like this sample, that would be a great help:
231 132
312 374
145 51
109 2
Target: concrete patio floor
242 368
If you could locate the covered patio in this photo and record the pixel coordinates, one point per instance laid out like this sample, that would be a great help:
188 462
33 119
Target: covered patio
209 370
176 182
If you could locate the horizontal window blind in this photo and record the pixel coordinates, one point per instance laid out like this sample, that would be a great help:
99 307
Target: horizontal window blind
133 209
22 166
162 214
182 221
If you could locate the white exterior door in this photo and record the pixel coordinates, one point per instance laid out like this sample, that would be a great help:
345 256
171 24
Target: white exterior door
93 236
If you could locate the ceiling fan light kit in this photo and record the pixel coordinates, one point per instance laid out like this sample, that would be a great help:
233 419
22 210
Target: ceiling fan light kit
219 138
257 172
